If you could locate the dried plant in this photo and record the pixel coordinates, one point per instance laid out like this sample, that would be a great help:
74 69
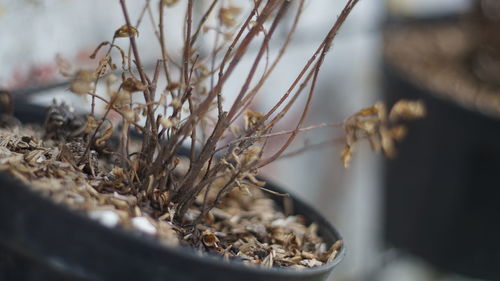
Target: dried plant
380 128
189 108
124 166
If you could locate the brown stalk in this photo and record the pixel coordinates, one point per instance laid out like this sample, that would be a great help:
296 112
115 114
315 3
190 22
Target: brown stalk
187 43
209 147
94 134
149 139
142 74
327 42
247 100
173 143
223 76
236 105
164 54
215 91
276 134
151 170
202 21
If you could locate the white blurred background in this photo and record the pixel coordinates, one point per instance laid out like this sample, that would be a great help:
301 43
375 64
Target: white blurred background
34 32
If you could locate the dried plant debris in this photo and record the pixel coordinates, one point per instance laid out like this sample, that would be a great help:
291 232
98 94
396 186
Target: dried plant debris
184 109
380 128
40 163
246 226
210 200
249 227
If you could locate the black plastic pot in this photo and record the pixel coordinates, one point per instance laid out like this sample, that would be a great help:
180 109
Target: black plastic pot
41 240
442 192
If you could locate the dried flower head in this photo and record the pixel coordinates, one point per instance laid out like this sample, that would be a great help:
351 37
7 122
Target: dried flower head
91 124
382 130
130 115
209 239
407 110
64 66
133 85
126 31
252 119
120 99
83 82
228 16
166 123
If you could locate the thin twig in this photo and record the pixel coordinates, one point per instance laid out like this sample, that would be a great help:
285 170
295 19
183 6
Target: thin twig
202 21
276 134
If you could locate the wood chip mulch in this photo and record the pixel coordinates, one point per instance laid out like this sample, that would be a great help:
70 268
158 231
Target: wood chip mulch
246 226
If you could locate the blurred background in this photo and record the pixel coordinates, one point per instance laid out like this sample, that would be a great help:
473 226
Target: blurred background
431 213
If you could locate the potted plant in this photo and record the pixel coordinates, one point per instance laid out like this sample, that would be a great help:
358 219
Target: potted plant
440 191
168 211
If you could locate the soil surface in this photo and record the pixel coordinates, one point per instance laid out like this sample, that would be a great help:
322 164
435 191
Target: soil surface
247 225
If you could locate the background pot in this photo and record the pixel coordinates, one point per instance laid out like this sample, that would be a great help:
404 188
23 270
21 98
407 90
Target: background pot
442 192
40 240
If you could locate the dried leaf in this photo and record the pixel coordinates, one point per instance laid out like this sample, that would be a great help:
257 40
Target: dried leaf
91 124
35 156
269 260
169 3
253 179
252 119
120 99
101 141
172 86
209 239
176 103
398 132
130 115
346 155
254 24
372 124
105 65
65 67
227 16
166 123
133 85
372 110
126 31
118 172
102 44
83 82
308 255
331 254
407 110
311 262
387 143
